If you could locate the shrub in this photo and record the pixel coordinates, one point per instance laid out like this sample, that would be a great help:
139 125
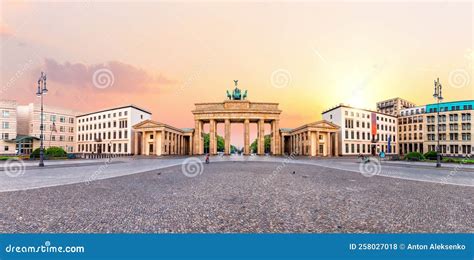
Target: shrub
414 156
55 152
452 160
35 154
431 155
5 158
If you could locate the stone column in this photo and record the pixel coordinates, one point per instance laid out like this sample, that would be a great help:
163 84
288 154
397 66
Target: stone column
272 138
227 137
292 150
173 143
162 142
298 143
282 144
155 143
317 143
336 144
329 145
177 143
261 137
246 137
197 137
212 137
143 143
309 143
135 144
277 137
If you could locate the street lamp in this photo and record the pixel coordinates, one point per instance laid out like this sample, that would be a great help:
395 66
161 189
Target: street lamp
438 97
42 90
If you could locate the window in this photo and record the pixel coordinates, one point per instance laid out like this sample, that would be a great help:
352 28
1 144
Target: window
6 125
5 136
6 113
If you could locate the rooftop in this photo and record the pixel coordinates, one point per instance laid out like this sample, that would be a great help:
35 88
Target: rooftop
115 108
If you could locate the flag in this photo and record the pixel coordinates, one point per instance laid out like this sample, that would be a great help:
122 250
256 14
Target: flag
389 147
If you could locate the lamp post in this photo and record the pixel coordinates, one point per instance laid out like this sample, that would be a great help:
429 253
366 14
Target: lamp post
438 97
42 90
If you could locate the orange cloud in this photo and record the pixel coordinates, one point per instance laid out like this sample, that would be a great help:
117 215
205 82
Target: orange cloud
5 31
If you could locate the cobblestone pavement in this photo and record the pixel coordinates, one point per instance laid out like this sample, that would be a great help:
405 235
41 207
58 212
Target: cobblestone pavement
76 171
241 197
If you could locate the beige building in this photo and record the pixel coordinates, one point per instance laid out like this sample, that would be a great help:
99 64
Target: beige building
154 138
8 127
393 106
59 127
411 127
109 130
455 130
363 131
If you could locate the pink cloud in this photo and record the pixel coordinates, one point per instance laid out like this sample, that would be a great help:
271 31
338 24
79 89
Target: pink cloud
112 76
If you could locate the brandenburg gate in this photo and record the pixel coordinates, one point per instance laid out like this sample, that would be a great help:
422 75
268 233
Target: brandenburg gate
236 110
319 138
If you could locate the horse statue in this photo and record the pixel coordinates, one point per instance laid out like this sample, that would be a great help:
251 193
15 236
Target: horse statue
236 94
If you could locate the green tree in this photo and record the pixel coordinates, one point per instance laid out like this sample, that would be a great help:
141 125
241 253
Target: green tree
267 144
220 143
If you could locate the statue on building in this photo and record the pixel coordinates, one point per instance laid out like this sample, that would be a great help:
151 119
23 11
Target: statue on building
236 94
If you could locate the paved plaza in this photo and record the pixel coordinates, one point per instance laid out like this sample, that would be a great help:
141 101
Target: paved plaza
236 194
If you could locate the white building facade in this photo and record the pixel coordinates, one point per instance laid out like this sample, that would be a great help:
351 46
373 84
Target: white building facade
8 125
59 126
109 131
363 131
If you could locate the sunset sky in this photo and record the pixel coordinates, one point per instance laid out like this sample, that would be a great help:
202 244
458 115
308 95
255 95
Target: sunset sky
307 56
